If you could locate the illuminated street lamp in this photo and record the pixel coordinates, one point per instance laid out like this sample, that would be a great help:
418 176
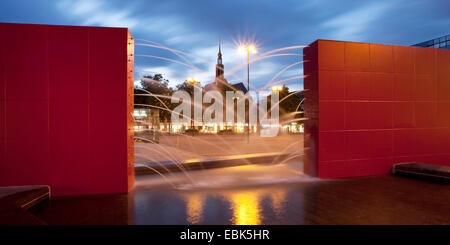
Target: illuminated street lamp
192 82
248 49
277 88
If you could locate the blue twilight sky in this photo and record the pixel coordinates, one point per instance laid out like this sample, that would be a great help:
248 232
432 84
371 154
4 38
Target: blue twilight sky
194 27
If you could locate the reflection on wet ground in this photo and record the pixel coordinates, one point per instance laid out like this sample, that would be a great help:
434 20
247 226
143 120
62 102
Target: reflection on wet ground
252 206
245 195
259 194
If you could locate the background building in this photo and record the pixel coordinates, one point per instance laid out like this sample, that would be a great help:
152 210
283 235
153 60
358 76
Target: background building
441 42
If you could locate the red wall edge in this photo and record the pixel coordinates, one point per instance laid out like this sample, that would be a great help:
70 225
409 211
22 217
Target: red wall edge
371 106
66 100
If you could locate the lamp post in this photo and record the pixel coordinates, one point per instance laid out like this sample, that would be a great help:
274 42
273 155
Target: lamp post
192 82
248 49
277 89
234 127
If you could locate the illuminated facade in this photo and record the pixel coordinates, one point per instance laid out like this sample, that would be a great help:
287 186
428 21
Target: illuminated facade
146 119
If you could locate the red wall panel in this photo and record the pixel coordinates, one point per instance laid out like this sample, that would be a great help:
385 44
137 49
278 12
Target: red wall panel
64 108
371 106
2 99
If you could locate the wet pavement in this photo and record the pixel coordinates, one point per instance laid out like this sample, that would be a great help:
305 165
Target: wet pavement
249 195
262 194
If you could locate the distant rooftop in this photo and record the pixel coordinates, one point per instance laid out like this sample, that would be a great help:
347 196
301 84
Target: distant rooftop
441 42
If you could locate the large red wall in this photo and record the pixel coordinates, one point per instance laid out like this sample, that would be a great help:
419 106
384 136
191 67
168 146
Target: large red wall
371 106
66 102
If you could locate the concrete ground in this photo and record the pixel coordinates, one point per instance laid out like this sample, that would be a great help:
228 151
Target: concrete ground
179 148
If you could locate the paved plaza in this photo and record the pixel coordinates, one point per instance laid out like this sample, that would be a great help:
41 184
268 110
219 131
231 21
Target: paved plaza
179 148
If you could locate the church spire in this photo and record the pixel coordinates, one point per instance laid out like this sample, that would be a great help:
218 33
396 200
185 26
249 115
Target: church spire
219 65
219 55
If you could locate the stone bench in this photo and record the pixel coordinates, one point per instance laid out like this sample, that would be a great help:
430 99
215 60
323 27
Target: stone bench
16 201
423 171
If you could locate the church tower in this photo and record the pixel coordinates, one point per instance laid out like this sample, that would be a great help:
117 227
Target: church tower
220 83
219 66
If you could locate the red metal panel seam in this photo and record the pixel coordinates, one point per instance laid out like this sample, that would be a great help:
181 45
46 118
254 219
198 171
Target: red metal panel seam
124 100
369 101
392 101
48 95
316 102
89 100
345 99
436 81
317 136
5 89
3 63
414 100
126 108
317 99
414 74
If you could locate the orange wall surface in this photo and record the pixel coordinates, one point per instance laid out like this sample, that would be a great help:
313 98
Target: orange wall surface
66 104
371 106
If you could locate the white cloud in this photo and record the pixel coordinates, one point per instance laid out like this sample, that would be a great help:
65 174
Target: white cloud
174 32
96 12
102 13
353 25
235 68
81 7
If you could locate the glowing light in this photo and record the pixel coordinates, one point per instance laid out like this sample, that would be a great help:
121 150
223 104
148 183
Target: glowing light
140 113
251 49
247 49
277 88
241 50
194 208
246 210
192 80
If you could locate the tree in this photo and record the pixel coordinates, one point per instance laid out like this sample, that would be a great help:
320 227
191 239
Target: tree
290 104
155 91
186 87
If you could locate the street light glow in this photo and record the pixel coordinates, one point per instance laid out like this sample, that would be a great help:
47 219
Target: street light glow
247 49
192 80
241 50
277 88
251 49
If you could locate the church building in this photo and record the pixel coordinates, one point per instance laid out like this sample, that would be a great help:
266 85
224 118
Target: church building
220 82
